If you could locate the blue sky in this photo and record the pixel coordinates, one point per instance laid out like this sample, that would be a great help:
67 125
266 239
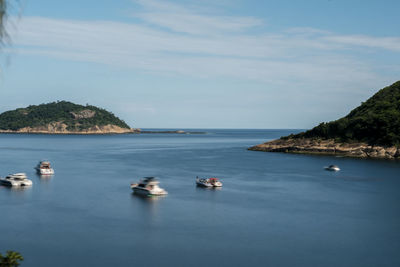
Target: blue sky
203 64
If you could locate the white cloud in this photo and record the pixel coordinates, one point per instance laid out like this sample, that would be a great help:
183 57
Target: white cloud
203 45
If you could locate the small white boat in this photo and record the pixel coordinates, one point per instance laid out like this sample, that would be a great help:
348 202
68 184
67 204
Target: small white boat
208 182
148 186
332 168
44 168
17 179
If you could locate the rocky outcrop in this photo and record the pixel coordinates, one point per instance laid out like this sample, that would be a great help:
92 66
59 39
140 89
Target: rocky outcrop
83 114
61 128
328 147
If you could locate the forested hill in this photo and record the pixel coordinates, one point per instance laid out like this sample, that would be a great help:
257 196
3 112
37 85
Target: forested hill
59 116
376 121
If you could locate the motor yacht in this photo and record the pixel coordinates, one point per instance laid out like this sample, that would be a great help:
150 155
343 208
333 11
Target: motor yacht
17 179
44 168
208 182
332 168
148 186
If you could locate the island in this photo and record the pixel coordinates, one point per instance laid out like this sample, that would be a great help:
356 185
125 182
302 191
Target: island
62 117
371 130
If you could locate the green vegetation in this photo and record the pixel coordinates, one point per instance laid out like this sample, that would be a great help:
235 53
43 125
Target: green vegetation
376 121
11 259
3 16
6 6
61 111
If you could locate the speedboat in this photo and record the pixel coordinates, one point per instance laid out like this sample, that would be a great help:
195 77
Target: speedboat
208 182
332 168
203 182
44 168
17 179
148 186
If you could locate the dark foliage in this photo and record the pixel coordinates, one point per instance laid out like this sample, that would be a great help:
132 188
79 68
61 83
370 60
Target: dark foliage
376 121
11 259
41 115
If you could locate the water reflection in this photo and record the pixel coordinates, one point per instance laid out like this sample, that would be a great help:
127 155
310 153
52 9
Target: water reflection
20 188
16 190
45 178
149 200
148 206
199 188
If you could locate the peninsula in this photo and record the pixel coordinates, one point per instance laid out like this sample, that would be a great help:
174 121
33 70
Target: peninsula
62 117
370 130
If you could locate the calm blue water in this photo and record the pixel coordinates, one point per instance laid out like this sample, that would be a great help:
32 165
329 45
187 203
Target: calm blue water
274 209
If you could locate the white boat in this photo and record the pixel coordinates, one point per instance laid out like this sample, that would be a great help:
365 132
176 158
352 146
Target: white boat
17 179
208 182
332 168
148 186
44 168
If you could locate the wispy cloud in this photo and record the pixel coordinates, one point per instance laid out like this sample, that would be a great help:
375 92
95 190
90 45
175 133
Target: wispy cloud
187 20
179 40
386 43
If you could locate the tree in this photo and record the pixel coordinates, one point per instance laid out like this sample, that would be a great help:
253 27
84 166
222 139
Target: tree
6 6
3 16
376 121
11 259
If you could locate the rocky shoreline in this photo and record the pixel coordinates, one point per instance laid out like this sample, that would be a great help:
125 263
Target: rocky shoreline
328 147
61 128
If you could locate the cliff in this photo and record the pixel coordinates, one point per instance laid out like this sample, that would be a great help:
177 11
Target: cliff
62 118
370 130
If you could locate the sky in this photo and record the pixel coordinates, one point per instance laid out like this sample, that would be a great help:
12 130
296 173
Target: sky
202 64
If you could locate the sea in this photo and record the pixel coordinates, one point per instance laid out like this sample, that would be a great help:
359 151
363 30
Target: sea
274 209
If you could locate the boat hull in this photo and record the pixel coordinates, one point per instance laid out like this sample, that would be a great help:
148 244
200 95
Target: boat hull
7 182
45 171
146 192
203 184
332 169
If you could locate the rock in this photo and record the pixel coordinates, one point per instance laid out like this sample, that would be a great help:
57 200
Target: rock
83 114
61 128
329 147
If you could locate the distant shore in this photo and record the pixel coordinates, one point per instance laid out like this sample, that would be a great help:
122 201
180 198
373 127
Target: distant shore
170 132
96 131
58 128
328 147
